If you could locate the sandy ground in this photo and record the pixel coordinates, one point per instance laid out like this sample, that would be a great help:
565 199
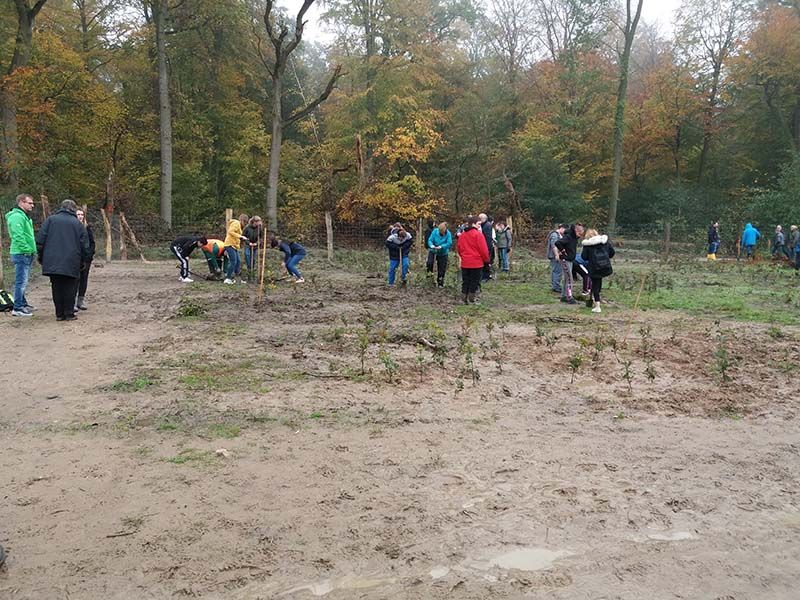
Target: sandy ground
241 454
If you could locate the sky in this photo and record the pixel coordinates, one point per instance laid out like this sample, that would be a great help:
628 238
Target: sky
653 11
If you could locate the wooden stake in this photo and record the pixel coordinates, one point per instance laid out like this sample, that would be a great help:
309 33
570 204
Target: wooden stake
45 206
123 249
263 257
124 224
107 228
228 218
329 234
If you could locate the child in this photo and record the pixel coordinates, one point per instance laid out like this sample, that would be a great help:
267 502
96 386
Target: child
293 252
597 252
182 247
399 244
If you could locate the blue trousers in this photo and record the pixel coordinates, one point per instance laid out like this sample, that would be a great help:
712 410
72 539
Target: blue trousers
555 274
292 262
234 262
22 270
503 252
393 264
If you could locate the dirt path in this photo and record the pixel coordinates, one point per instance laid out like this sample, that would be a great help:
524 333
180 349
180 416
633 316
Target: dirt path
342 485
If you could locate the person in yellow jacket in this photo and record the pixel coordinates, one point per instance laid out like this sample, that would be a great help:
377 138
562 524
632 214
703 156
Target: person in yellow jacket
233 241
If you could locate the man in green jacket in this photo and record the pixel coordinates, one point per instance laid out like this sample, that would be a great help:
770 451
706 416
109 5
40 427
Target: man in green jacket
23 251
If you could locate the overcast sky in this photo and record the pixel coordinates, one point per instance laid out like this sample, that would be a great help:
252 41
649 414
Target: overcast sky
658 11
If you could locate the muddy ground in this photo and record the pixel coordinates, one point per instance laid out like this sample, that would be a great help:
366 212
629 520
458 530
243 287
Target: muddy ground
239 451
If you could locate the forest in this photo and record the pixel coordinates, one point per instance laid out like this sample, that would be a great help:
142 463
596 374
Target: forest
548 109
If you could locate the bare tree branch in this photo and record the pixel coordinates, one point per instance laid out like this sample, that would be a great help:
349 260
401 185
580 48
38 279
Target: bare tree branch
337 73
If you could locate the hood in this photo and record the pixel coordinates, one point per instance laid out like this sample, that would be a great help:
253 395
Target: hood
596 240
748 226
397 239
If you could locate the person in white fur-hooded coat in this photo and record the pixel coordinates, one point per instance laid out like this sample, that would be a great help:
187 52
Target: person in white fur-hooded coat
597 252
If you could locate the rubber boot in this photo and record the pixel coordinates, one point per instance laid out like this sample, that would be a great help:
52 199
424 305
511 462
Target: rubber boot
708 257
713 256
81 303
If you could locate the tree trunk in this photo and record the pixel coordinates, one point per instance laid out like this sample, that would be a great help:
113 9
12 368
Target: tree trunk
619 116
274 154
164 110
708 121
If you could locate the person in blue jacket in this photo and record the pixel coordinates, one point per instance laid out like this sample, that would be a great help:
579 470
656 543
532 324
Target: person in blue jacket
750 237
439 242
293 253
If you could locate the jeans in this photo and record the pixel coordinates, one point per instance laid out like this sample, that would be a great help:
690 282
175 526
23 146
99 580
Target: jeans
713 247
234 262
393 264
294 260
749 250
251 257
555 274
503 252
22 268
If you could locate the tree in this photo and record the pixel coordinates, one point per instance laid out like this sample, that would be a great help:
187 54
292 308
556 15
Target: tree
276 67
8 99
628 32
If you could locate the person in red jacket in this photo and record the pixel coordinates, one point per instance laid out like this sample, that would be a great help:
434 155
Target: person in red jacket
474 254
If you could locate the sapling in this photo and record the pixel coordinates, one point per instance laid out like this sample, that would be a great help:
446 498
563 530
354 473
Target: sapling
575 362
390 365
627 374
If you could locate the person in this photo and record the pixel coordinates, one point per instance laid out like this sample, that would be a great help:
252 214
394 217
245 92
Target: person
233 241
80 300
581 269
503 242
713 241
566 248
597 251
794 240
474 254
399 245
23 251
440 241
214 251
62 245
552 254
429 229
750 237
779 243
487 228
293 253
797 254
182 247
254 232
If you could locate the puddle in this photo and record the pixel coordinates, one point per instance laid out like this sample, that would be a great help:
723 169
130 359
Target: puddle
349 582
439 572
523 559
672 536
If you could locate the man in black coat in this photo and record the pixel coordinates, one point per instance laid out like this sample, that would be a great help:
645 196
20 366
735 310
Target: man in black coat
63 248
487 229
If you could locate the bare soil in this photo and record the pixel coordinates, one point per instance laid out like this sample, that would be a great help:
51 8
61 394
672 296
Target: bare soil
240 452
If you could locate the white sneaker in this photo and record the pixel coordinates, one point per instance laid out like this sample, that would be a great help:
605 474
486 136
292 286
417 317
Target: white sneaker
229 281
596 307
299 280
21 313
186 280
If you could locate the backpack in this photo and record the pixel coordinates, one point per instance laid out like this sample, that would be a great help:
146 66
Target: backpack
6 301
601 261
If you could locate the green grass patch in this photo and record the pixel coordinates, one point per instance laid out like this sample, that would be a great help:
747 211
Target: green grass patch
136 384
224 430
194 456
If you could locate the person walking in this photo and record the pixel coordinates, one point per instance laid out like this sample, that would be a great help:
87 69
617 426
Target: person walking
503 241
182 247
794 240
80 300
713 241
440 241
474 254
552 255
779 243
597 251
566 248
750 237
399 245
293 253
62 245
233 241
23 251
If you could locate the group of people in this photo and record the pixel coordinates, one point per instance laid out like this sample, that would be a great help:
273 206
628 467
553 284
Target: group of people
780 246
479 240
224 256
64 246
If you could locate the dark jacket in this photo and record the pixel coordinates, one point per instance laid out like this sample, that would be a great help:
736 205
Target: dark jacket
254 234
291 249
591 247
399 248
568 244
186 244
92 246
62 245
713 235
487 229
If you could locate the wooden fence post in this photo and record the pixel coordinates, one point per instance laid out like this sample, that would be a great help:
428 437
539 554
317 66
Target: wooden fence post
228 218
329 234
45 206
123 249
667 238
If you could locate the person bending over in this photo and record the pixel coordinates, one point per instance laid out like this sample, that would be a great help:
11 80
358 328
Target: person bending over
182 247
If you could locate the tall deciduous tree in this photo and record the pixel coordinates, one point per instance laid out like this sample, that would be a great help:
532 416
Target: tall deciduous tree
629 33
282 47
23 46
